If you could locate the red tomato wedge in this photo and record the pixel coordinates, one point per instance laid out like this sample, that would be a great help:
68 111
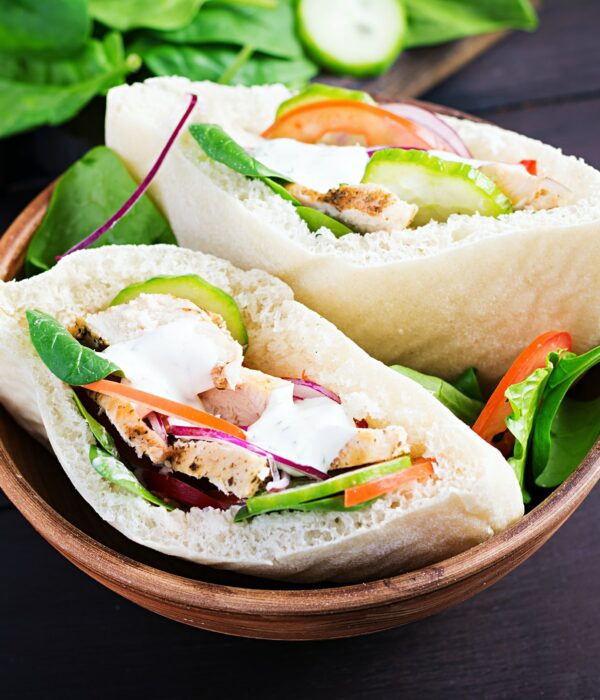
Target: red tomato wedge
164 406
530 166
374 126
492 420
420 469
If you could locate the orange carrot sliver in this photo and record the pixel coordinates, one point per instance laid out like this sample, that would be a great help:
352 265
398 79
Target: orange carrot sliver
372 489
165 406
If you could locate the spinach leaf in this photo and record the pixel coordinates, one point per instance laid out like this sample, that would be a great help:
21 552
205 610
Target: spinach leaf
211 63
573 431
546 467
88 193
35 92
468 384
270 31
221 147
67 359
463 406
48 27
113 470
101 434
438 21
524 399
156 14
316 220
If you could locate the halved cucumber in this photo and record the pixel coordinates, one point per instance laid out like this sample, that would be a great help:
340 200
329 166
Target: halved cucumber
317 92
353 37
197 290
291 498
438 187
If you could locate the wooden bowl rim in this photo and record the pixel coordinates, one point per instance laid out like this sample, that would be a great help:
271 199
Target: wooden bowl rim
129 574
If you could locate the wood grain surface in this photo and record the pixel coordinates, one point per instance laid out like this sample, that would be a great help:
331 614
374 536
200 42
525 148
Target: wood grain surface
534 634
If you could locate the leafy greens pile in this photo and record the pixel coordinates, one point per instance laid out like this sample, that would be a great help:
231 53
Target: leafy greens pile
55 56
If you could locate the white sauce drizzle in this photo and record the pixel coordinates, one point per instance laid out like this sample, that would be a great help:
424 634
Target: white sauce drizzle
310 432
176 360
317 166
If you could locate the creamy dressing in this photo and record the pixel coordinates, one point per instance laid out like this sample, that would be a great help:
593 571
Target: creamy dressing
177 360
317 166
310 432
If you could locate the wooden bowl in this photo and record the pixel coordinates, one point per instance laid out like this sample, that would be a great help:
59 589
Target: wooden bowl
235 604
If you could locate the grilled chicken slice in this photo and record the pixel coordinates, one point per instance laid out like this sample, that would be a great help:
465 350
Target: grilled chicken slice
524 190
148 312
245 404
120 323
132 429
230 468
371 445
364 208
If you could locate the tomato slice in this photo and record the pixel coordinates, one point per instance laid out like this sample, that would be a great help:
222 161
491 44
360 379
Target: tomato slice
530 166
420 469
371 125
492 420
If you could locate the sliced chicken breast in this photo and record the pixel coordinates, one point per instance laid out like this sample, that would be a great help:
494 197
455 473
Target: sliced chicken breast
230 468
524 190
364 208
245 404
371 445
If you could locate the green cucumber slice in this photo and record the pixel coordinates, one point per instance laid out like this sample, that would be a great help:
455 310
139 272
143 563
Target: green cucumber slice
352 37
317 92
290 499
331 503
439 187
197 290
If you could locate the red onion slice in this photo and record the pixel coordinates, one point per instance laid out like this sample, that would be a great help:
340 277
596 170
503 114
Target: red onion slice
173 488
446 136
199 433
306 389
157 424
140 189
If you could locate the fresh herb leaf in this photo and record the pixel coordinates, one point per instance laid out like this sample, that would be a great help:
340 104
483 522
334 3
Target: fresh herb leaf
438 21
468 384
34 91
316 220
270 31
48 27
462 405
88 193
573 432
113 470
550 462
155 14
524 399
221 147
67 359
210 63
104 438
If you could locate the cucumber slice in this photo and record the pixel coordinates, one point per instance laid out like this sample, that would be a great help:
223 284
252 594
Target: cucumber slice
439 187
331 503
352 37
197 290
290 499
317 92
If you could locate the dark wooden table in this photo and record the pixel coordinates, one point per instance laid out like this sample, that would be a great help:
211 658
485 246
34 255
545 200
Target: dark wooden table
534 634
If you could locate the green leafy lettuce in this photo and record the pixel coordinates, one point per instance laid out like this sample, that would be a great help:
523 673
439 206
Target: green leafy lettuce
36 91
89 193
64 356
463 398
156 14
438 21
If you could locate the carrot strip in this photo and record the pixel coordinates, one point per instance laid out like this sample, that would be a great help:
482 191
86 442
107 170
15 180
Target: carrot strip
165 406
355 495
